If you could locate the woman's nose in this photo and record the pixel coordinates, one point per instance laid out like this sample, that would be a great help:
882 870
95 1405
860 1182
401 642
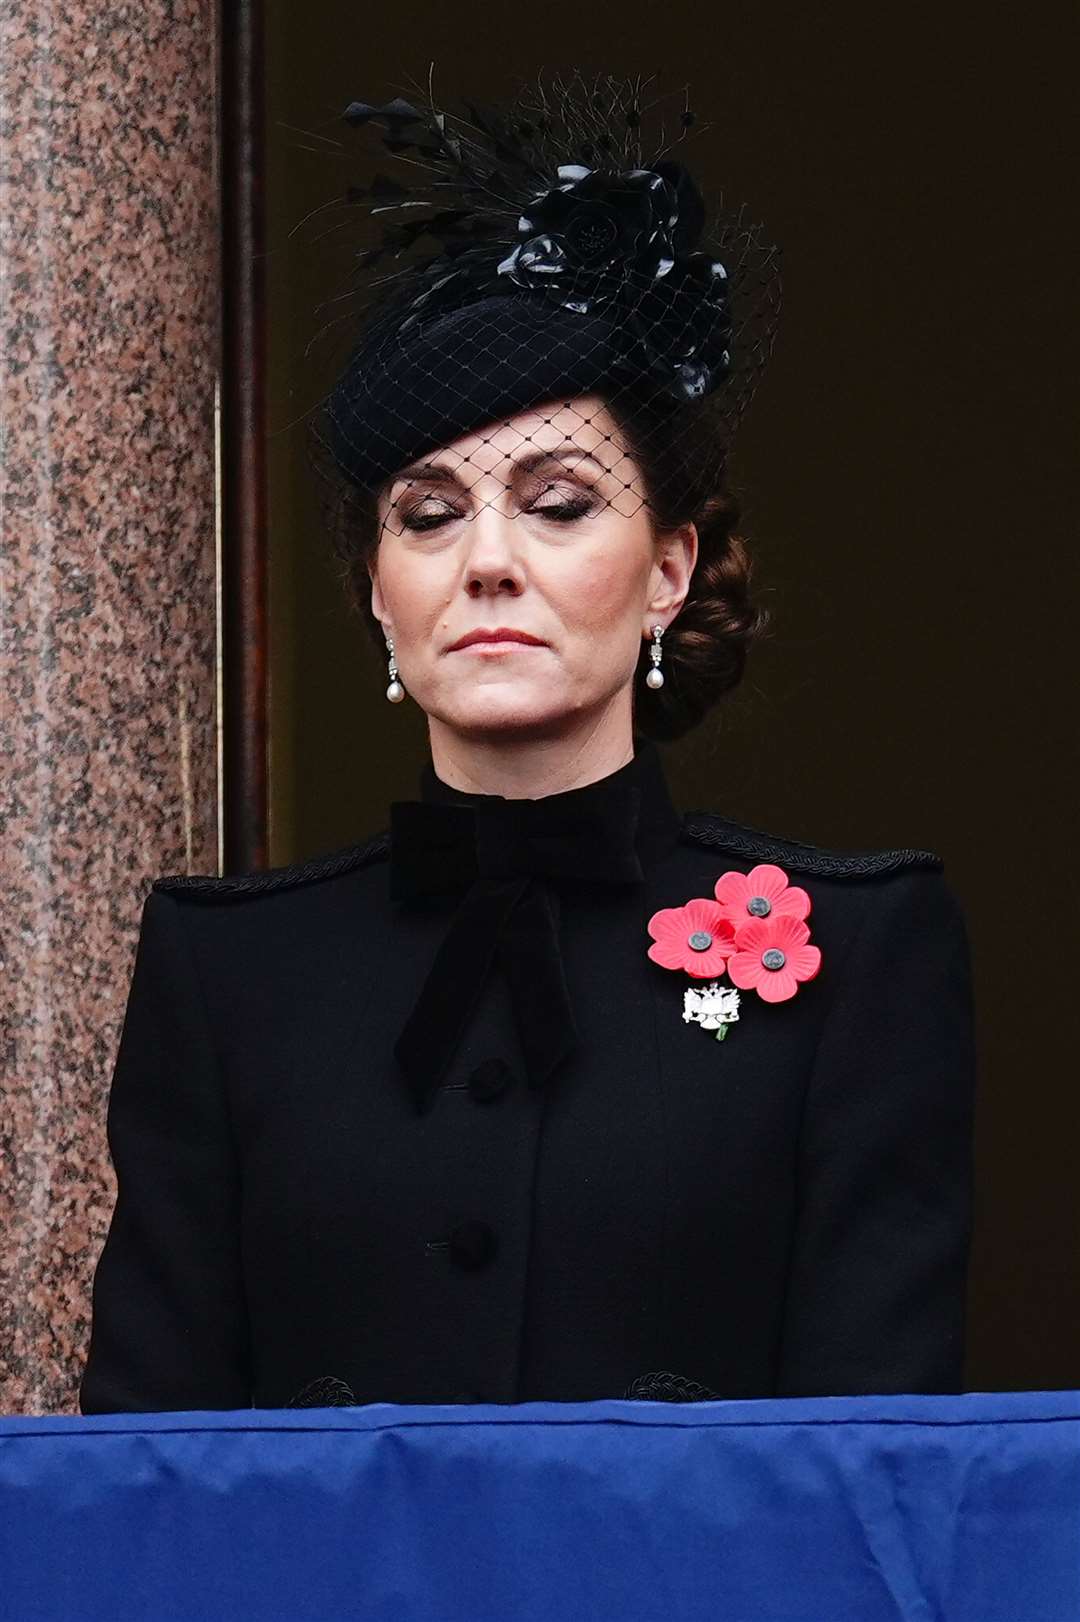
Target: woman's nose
493 548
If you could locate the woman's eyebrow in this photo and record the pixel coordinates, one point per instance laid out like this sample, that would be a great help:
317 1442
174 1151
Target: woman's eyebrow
523 464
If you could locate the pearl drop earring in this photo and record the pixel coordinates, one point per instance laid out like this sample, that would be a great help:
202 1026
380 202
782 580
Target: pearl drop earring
395 692
655 678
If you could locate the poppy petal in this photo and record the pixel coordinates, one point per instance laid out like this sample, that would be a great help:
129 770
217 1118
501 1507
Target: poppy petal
745 970
754 935
730 888
806 961
777 985
794 903
768 880
675 926
706 965
666 922
701 913
790 933
670 954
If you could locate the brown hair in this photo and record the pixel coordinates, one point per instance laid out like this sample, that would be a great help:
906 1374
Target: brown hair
705 648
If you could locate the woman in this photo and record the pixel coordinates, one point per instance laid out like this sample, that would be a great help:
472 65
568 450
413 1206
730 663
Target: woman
547 1091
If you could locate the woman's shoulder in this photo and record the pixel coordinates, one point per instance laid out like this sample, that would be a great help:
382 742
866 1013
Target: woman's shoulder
897 893
229 887
711 831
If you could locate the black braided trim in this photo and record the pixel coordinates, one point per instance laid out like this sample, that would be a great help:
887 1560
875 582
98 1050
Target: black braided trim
325 1392
662 1386
706 828
277 878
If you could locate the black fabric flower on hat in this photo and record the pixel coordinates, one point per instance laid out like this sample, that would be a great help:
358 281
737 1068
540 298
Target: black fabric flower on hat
594 222
682 329
599 238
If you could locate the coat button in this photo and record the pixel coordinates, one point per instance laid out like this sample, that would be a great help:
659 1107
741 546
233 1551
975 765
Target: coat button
472 1243
489 1079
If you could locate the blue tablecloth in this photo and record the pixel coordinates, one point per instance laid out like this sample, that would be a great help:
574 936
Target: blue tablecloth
941 1509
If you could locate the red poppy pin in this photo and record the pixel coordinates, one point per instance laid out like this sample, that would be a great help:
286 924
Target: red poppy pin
755 930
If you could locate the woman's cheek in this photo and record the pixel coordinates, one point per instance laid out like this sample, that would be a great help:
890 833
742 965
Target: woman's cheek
600 598
418 603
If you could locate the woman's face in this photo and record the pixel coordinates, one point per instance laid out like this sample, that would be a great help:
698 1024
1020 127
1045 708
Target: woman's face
536 525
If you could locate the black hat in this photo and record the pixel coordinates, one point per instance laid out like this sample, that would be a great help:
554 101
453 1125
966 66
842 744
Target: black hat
572 258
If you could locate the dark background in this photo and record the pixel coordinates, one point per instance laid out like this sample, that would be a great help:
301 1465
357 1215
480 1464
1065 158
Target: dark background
908 476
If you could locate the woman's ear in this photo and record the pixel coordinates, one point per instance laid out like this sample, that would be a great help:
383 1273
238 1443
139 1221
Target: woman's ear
378 607
675 561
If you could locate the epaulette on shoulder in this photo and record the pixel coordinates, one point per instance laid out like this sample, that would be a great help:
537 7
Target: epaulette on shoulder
236 886
708 828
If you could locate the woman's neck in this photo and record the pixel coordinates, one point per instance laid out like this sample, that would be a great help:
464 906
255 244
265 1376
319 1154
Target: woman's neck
528 766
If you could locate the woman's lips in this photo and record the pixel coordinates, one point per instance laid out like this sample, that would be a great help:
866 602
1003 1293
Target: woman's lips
502 637
496 647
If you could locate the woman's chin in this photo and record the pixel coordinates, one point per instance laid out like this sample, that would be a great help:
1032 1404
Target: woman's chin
504 709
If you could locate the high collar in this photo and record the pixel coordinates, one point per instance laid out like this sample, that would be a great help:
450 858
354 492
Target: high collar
659 822
512 861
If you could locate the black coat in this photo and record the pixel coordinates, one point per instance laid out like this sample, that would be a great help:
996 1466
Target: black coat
783 1212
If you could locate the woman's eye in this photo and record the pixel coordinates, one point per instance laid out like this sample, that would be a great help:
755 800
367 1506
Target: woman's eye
561 512
427 520
565 511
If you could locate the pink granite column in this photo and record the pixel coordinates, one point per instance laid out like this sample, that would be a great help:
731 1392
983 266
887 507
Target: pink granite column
108 236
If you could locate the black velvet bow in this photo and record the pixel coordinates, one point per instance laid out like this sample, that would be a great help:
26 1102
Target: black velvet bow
498 852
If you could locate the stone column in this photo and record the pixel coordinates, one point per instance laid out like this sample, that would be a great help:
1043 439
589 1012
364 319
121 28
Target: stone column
110 341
